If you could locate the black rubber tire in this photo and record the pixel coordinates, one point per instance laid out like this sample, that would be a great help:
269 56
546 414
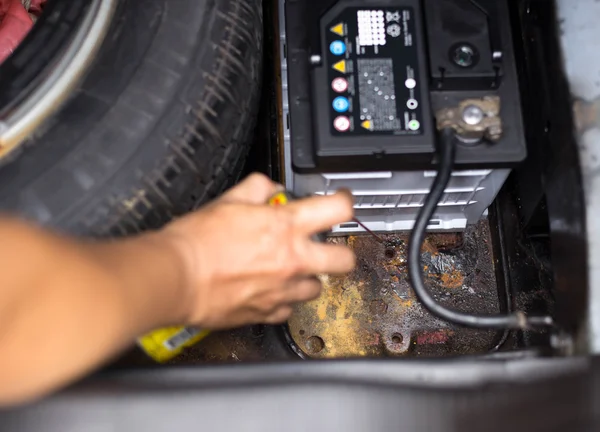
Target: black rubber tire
161 123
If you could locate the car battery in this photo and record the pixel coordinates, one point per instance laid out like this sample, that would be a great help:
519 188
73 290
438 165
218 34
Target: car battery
362 82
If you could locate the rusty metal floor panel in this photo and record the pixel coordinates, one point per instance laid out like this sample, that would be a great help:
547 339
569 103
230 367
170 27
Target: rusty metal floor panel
374 312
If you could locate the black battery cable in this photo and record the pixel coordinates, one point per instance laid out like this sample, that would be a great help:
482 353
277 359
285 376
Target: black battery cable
515 320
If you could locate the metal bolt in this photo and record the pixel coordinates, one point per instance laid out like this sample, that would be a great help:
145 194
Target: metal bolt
464 56
472 115
315 59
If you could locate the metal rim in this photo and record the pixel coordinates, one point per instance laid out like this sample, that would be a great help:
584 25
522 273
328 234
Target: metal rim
51 94
291 343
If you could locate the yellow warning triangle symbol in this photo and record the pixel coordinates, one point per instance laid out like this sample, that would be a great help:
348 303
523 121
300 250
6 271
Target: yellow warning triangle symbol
338 29
340 66
367 124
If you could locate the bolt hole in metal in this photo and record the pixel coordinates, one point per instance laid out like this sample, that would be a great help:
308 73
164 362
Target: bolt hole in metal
397 339
315 344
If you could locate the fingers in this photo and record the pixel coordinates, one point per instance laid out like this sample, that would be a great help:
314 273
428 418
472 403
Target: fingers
328 259
320 213
255 189
304 289
279 315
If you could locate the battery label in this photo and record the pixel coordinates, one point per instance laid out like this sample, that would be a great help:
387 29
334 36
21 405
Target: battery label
374 53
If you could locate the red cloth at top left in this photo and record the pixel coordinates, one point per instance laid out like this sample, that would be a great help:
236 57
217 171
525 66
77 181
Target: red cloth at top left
14 26
37 6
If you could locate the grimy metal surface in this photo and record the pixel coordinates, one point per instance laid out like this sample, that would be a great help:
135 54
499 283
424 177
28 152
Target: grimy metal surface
374 312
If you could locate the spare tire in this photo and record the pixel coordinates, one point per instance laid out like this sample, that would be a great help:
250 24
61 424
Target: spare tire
160 123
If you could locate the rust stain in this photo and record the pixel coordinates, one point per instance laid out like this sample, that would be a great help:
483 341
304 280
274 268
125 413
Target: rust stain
321 303
336 310
433 338
453 279
429 247
350 241
348 311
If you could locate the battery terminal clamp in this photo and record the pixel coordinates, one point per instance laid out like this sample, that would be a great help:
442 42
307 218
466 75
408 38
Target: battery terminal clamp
473 120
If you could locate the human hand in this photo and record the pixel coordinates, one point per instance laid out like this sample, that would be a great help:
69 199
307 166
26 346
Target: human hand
246 262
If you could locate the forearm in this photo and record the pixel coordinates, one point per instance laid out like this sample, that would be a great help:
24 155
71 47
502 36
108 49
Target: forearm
68 306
